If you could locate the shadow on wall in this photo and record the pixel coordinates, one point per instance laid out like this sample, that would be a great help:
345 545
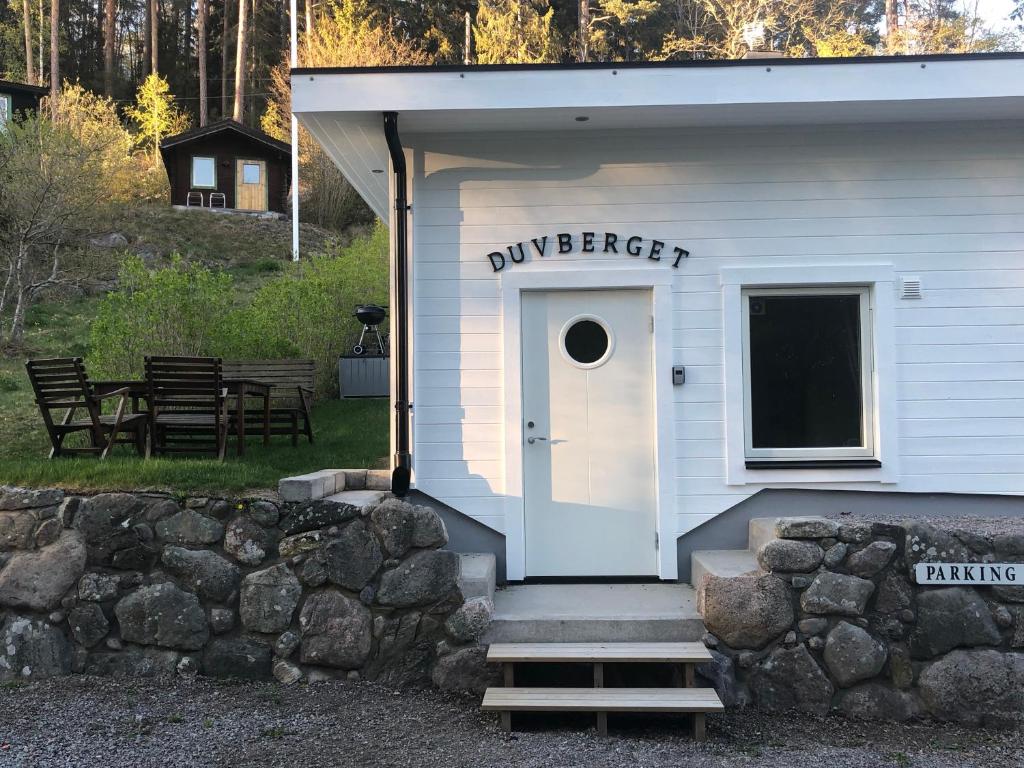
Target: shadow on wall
729 529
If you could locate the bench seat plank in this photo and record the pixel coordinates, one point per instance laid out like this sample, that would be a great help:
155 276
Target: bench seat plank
672 653
602 700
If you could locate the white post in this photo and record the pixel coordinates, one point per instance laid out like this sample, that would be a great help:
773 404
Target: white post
295 137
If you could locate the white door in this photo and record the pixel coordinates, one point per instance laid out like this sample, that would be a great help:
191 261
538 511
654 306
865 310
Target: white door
588 433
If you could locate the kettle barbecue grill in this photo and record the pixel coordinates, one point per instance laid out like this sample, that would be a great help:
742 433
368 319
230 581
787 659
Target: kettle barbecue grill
371 316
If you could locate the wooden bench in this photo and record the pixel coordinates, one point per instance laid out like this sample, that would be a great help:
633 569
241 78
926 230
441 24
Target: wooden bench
292 389
599 699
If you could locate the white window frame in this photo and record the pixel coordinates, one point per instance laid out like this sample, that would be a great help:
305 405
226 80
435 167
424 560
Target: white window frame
867 361
192 173
811 273
8 107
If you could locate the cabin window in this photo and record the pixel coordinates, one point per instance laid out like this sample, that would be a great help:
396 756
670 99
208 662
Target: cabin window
808 372
5 108
204 173
250 173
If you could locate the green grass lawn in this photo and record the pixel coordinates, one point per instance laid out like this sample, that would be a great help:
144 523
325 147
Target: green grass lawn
348 433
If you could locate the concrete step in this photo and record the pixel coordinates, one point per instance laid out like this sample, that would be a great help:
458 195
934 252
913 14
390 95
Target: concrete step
722 562
594 613
760 531
477 574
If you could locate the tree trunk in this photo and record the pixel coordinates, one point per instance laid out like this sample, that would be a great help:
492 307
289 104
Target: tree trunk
147 39
467 58
109 27
892 25
30 75
584 29
154 30
240 60
309 16
225 61
203 11
54 55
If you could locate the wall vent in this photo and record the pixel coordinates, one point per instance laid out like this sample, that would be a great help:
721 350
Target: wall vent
910 288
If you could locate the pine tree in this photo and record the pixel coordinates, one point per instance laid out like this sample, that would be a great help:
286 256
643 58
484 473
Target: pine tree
515 32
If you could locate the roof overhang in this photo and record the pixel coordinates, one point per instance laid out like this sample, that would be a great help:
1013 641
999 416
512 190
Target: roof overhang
343 108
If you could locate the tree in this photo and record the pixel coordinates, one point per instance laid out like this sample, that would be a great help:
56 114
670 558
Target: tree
53 194
54 52
240 60
515 32
204 12
154 31
109 27
26 12
156 114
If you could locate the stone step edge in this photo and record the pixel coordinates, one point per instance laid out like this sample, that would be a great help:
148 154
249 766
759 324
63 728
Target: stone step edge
328 482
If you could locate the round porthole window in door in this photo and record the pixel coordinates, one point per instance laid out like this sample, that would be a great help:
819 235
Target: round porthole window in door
586 341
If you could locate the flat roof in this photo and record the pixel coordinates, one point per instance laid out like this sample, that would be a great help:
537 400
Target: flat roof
342 107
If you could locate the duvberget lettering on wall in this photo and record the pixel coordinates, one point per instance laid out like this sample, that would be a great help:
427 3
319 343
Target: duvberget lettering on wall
588 242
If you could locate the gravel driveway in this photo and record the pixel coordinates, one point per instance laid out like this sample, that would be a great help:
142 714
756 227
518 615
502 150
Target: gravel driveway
82 721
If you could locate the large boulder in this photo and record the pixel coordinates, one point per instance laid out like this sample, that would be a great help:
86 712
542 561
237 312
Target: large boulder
925 543
38 580
895 593
163 615
189 527
975 687
336 631
836 593
464 670
98 587
470 620
720 674
31 649
790 556
239 658
872 559
248 542
952 617
106 521
428 529
206 573
393 521
317 514
874 701
428 576
17 530
353 557
269 598
88 624
29 498
806 528
852 655
132 663
790 678
745 611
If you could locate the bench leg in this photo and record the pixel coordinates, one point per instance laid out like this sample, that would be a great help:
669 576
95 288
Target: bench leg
699 732
506 722
598 674
508 671
688 675
602 723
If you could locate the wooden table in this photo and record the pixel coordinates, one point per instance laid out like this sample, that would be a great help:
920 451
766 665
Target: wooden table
237 388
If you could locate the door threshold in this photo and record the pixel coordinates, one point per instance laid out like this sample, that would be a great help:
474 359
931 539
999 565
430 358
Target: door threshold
593 580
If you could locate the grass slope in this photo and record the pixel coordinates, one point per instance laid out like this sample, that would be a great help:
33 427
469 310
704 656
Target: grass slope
348 433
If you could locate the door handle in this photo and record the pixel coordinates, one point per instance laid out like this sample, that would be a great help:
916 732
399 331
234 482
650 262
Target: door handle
532 440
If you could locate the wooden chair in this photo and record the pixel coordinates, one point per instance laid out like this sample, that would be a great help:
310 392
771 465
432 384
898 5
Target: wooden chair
62 384
187 406
292 389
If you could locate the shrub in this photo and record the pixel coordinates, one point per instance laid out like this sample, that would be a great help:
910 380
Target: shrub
306 311
172 311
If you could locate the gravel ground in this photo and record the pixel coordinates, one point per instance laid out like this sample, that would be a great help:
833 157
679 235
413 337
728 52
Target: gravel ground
81 721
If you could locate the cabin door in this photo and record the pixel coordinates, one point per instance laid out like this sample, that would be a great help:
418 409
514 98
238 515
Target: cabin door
589 433
251 185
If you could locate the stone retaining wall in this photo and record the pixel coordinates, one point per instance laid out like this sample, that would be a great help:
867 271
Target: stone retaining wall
145 584
837 621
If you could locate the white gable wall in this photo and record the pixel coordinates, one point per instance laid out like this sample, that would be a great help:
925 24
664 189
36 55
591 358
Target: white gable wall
944 203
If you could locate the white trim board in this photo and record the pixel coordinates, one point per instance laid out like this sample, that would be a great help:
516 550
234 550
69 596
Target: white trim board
512 286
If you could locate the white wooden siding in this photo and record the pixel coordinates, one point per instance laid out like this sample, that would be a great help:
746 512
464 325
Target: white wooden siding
945 204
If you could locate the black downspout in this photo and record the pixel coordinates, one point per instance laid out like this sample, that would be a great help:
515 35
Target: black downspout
400 476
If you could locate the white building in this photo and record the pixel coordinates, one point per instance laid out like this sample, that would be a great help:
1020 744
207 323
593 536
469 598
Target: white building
640 294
